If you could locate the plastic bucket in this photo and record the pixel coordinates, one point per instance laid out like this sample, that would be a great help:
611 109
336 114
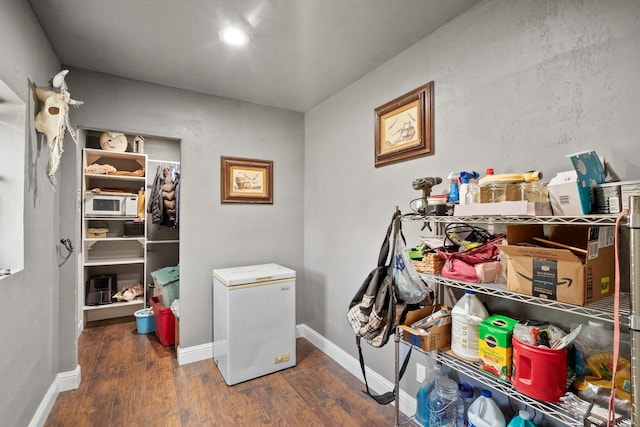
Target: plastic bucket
145 321
538 372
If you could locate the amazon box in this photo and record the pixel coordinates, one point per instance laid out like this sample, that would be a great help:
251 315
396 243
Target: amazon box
574 264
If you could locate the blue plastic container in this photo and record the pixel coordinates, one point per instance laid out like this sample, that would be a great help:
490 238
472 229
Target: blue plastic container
145 321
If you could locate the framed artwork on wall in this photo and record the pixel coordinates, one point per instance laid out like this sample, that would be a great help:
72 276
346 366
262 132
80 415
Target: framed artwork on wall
246 180
404 127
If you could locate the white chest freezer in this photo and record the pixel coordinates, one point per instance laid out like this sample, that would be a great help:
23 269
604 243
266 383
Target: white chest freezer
254 321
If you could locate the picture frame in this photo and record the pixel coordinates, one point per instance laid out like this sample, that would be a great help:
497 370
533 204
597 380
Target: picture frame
246 180
404 127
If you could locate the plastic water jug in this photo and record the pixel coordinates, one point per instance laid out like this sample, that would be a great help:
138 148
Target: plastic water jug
466 317
593 338
422 398
484 412
446 409
523 419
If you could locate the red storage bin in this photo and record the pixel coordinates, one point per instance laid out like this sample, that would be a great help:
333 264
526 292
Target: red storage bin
165 322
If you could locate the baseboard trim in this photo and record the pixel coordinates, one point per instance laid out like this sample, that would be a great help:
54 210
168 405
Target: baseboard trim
195 353
64 381
377 383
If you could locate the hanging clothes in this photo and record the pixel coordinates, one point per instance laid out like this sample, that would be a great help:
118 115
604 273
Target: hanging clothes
155 204
169 196
175 176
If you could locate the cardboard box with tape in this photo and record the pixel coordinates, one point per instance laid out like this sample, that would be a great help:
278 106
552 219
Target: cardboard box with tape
573 264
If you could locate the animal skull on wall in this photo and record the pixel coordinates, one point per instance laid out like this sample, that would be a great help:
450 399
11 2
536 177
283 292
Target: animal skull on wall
53 118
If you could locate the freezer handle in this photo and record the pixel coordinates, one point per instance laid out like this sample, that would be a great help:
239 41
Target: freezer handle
263 278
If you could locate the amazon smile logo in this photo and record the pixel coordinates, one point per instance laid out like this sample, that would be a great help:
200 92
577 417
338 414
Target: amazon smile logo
561 282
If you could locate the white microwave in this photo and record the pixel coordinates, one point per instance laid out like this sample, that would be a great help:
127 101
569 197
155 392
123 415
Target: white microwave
102 204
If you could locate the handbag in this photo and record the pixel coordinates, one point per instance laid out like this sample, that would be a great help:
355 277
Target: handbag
375 306
479 264
375 310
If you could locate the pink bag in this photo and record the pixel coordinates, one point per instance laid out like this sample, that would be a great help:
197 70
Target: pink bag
478 265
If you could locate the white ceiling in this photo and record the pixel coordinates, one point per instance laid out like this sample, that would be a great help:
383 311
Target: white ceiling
301 51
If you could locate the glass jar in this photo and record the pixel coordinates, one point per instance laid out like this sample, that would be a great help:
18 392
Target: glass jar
532 191
445 405
497 192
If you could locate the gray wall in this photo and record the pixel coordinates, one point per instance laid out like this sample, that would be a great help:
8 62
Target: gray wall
29 332
518 84
212 235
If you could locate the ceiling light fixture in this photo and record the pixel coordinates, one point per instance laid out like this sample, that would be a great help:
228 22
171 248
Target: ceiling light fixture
234 36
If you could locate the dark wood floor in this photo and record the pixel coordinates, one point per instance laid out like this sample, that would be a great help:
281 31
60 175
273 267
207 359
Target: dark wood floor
132 380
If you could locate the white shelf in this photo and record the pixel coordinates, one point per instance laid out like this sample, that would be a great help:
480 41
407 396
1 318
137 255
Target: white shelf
109 218
121 261
137 301
160 242
114 239
115 177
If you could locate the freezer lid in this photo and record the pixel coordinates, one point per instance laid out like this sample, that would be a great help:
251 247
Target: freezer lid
234 276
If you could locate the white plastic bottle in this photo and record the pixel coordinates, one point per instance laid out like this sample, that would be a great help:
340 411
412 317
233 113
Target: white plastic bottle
466 317
593 338
485 412
422 397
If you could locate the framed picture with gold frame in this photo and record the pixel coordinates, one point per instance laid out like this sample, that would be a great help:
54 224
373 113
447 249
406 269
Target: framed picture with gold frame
404 127
246 180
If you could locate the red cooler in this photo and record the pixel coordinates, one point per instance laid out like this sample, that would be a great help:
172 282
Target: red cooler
540 373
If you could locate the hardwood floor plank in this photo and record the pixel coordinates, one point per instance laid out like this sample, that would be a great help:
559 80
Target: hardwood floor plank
131 379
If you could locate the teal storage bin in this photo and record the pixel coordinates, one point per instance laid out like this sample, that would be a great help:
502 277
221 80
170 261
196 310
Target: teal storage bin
167 280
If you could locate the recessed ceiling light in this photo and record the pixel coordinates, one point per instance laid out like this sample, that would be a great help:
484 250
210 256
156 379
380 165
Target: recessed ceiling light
234 36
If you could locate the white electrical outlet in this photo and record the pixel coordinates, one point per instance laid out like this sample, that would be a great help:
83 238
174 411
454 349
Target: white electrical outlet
420 372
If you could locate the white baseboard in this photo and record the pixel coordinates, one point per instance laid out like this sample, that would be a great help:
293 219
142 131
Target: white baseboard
195 353
377 383
64 381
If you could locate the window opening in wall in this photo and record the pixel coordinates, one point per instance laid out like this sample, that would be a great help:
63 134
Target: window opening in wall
12 147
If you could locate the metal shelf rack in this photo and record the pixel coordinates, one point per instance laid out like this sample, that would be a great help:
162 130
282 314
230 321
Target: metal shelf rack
573 412
601 310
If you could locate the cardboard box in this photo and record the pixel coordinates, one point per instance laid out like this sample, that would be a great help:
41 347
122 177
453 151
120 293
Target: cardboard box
494 347
436 337
577 276
570 192
518 208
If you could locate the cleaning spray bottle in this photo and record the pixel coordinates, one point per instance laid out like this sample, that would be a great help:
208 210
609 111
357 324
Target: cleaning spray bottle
454 193
468 180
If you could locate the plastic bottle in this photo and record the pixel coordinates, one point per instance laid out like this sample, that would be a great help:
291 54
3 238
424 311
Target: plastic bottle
466 317
454 191
464 189
523 419
422 398
446 409
485 412
593 338
466 394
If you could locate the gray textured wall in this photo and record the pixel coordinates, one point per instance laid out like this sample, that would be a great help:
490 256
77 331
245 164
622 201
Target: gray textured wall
29 359
518 84
212 235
